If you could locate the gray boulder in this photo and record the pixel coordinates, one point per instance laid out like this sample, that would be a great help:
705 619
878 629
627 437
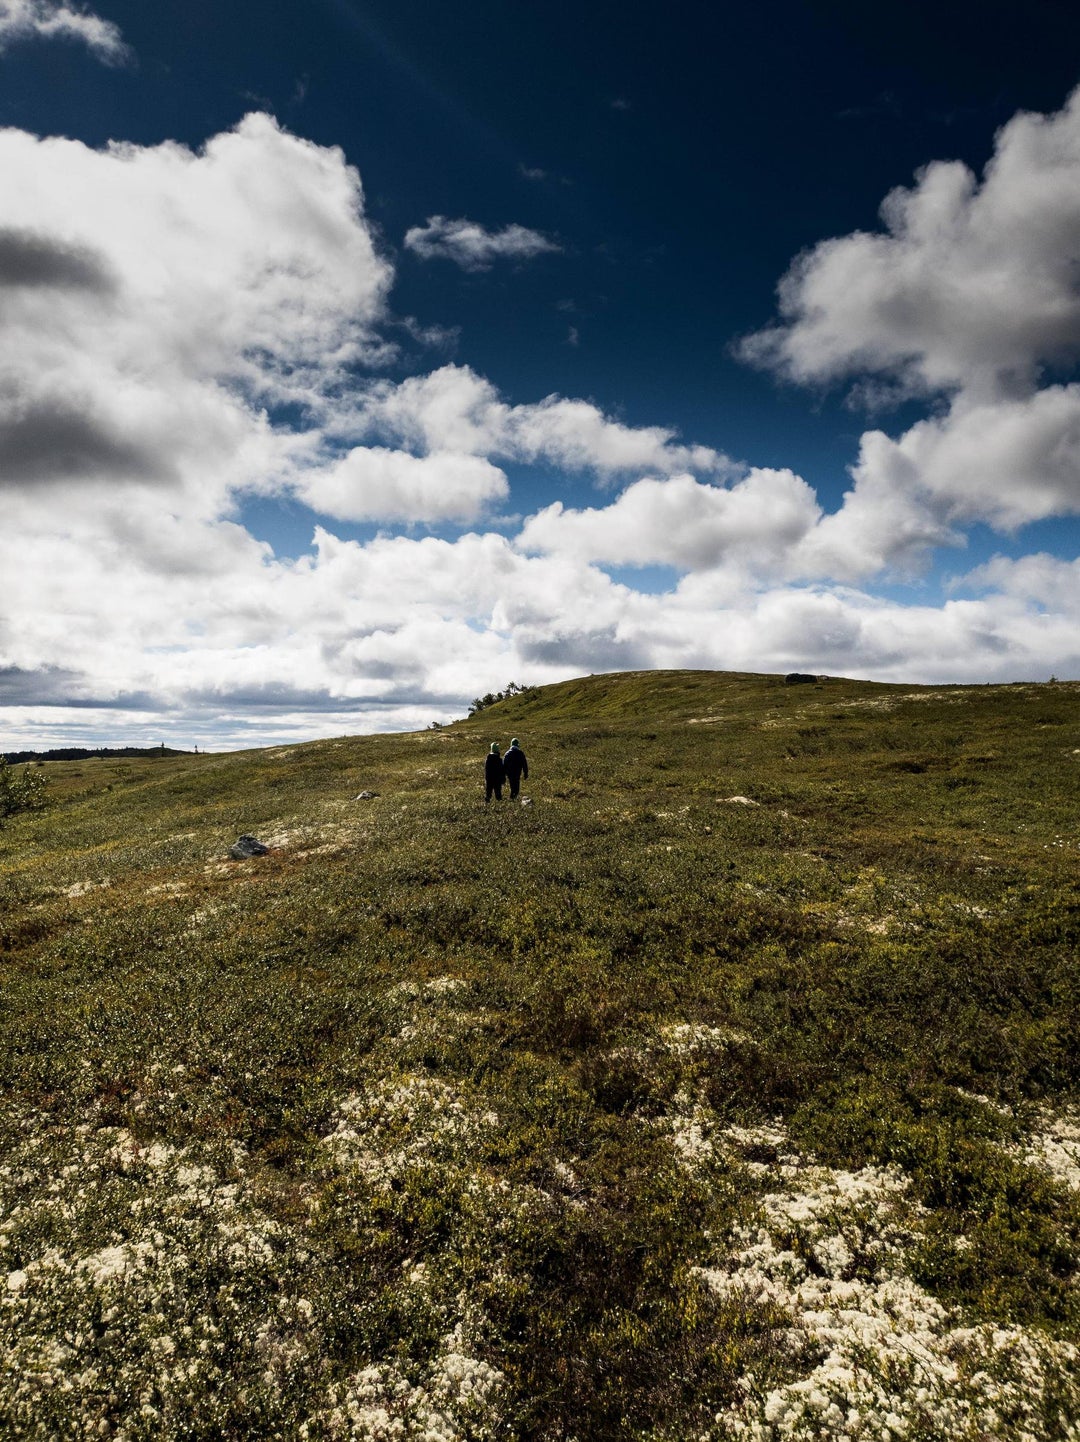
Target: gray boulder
367 796
245 846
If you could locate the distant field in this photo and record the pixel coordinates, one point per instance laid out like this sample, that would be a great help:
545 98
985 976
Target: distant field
730 1089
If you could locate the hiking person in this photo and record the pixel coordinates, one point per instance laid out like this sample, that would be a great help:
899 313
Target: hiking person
516 766
494 773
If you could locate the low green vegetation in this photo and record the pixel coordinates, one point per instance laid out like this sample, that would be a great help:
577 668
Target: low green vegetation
728 1088
22 788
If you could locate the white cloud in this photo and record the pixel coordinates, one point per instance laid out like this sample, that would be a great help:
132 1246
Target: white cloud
52 20
1044 580
472 247
376 484
885 522
685 524
1006 464
969 292
401 631
453 408
972 286
154 300
156 304
576 435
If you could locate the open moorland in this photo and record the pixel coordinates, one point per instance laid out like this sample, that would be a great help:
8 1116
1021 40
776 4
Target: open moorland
729 1089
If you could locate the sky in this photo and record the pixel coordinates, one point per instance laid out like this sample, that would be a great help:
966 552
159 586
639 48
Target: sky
360 357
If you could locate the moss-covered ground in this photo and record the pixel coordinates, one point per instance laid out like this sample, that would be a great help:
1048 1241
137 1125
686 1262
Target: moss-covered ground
727 1088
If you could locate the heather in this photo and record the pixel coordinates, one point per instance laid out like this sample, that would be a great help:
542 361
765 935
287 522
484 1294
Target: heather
728 1089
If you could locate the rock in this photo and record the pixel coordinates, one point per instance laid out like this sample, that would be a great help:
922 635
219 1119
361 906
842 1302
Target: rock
367 796
526 801
739 801
245 846
797 678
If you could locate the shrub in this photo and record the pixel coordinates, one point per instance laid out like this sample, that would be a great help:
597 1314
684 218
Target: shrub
20 790
492 698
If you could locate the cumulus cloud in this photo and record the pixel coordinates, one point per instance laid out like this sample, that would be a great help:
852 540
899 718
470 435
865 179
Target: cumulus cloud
971 286
472 247
154 301
1046 581
162 310
1005 464
684 523
399 631
969 293
376 484
453 408
28 258
159 306
885 523
53 20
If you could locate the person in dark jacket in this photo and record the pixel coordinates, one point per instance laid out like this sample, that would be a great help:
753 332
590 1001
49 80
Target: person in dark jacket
516 766
494 774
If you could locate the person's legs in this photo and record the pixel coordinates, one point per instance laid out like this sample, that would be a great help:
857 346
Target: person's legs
515 782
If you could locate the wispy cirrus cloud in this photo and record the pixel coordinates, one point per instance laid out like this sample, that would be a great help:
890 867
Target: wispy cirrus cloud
471 246
53 20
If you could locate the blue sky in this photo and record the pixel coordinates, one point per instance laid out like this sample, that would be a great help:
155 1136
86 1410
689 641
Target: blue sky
359 356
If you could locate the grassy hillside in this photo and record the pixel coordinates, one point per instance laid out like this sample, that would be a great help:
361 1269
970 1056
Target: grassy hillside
728 1089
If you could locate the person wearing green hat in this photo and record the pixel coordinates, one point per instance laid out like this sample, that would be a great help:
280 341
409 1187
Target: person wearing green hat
515 766
494 773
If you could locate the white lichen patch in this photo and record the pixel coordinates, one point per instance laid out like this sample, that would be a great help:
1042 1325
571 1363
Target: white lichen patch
683 1043
146 1293
684 1038
144 1285
199 917
871 1353
983 1101
436 986
444 985
1055 1146
456 1395
404 1121
431 1010
877 926
82 888
690 1136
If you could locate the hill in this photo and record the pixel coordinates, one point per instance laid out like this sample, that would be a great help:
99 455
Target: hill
84 753
727 1089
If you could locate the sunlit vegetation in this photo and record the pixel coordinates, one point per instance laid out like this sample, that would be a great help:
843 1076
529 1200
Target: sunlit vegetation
22 788
728 1089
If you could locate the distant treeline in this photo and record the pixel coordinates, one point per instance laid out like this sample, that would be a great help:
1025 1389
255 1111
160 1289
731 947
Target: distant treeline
81 753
